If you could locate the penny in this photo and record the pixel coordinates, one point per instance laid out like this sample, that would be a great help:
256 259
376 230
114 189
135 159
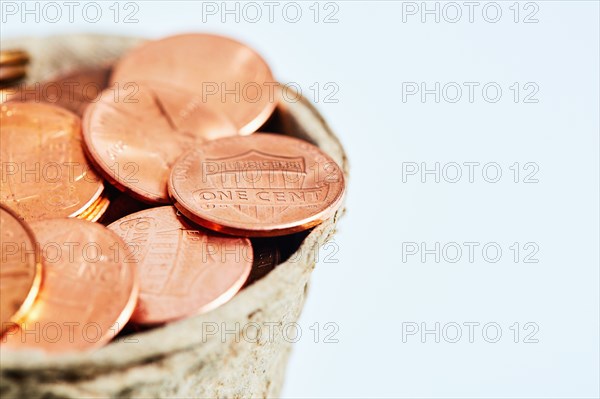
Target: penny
13 57
258 185
20 268
73 90
135 138
183 269
228 76
12 72
89 291
44 171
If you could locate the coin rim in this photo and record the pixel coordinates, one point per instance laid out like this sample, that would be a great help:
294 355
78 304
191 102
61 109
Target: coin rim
96 210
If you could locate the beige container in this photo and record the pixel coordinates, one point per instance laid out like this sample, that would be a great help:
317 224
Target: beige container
188 358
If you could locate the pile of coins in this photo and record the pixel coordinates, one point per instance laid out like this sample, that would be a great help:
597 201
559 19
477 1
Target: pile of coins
151 202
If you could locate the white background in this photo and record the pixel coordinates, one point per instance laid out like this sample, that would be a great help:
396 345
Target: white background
371 294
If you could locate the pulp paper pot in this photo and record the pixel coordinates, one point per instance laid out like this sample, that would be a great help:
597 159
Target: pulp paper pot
238 350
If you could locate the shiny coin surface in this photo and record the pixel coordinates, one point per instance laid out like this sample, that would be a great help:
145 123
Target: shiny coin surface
228 76
44 171
183 269
135 140
13 57
20 268
88 293
258 185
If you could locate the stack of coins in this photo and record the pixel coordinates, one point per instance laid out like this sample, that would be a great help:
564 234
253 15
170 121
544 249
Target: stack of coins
13 66
153 201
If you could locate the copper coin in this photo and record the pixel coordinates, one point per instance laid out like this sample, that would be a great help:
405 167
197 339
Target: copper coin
135 138
229 76
44 171
13 57
258 185
184 270
88 293
20 268
73 90
12 72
